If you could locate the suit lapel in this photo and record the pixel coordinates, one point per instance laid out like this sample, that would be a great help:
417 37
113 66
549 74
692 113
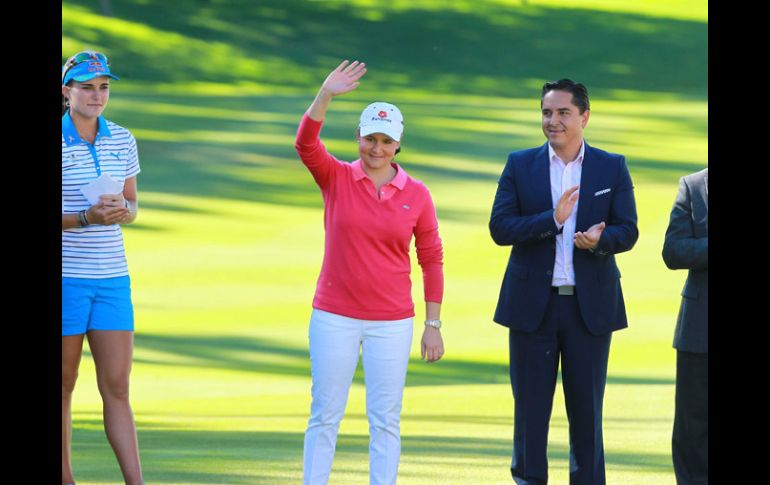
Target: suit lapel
540 177
588 176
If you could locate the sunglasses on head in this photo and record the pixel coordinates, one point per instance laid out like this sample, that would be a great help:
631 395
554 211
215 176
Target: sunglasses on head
83 57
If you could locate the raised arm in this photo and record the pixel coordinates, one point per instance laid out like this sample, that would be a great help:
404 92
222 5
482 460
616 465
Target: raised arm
308 143
340 81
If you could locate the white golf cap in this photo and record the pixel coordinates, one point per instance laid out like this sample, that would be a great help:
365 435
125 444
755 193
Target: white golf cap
384 118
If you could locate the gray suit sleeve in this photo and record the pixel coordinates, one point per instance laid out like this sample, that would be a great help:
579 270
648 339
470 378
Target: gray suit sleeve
681 249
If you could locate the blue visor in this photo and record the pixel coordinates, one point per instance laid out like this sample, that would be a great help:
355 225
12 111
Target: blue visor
87 70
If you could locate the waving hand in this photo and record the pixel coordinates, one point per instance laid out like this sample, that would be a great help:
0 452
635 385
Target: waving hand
344 79
340 81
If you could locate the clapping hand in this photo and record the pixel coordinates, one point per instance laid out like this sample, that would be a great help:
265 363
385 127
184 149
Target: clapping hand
590 238
566 204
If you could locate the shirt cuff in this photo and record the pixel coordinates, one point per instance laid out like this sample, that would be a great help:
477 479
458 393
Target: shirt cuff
558 226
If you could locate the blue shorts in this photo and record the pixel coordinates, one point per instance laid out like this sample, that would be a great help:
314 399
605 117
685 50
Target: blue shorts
96 304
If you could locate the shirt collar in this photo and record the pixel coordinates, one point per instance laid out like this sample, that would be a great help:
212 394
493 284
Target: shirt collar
552 156
70 133
399 181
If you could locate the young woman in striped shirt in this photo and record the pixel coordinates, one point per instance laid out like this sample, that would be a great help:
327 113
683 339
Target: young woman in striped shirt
96 292
363 301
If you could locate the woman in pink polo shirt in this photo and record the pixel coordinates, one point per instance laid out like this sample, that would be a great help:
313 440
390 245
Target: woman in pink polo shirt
363 301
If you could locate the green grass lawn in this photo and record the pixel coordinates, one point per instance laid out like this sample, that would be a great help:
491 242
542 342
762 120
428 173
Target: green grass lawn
226 251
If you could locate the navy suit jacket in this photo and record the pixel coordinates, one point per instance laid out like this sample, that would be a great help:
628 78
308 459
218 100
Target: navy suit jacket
686 247
522 217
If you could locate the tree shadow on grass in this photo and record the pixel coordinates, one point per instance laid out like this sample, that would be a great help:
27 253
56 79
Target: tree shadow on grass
224 352
247 457
487 49
267 172
194 456
265 356
465 46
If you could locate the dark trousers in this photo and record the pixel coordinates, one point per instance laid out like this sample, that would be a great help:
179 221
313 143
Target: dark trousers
534 363
690 442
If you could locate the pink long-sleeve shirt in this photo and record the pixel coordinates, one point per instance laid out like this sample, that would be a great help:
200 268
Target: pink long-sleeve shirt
366 265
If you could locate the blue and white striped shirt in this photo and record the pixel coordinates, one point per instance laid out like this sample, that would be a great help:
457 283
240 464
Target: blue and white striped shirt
94 251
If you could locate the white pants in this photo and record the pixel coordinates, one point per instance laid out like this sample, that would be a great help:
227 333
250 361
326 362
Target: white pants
334 348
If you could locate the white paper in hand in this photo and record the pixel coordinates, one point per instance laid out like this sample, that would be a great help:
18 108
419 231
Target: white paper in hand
102 185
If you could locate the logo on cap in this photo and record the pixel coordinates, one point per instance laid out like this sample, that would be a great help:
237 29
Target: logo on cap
96 66
383 114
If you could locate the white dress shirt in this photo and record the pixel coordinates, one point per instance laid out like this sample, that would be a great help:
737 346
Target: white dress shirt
563 176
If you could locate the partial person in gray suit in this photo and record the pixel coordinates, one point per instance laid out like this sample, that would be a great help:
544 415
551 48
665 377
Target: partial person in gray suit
686 247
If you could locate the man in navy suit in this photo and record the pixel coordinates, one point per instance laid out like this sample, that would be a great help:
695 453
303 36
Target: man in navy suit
566 209
686 247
